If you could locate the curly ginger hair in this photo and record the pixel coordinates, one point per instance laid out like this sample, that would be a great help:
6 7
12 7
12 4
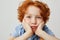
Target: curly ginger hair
42 6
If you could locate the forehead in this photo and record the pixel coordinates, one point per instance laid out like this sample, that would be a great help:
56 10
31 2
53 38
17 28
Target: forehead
33 10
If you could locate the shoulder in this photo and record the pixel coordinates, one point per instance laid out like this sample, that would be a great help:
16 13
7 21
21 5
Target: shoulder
47 30
18 30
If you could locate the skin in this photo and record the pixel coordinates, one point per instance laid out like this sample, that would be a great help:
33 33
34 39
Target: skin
34 17
33 23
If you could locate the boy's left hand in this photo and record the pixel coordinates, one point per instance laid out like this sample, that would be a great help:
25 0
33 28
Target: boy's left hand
39 29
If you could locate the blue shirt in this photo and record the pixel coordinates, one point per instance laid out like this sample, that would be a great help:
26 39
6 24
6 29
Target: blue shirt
19 30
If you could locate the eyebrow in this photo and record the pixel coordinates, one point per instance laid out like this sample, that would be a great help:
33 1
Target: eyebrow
31 14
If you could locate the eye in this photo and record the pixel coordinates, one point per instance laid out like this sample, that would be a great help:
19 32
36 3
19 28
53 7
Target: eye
38 17
28 16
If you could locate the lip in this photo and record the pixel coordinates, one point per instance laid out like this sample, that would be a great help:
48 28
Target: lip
33 27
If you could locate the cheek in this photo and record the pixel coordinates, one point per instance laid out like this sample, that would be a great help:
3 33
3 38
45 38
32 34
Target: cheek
39 21
27 20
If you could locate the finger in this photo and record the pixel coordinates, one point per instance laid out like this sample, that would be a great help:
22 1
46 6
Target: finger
26 26
41 25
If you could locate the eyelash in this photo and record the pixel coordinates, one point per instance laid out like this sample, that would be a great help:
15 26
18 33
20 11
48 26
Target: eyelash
30 17
38 17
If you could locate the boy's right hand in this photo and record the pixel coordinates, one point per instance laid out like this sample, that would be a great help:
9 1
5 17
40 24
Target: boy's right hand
27 28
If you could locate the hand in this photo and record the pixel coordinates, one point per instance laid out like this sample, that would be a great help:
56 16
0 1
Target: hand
27 28
28 32
39 29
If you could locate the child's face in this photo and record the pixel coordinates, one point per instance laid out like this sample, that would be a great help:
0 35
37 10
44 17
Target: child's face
33 17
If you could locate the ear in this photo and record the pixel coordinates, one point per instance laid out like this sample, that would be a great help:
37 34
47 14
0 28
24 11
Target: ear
23 20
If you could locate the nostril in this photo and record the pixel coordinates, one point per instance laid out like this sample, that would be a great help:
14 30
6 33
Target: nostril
34 23
33 20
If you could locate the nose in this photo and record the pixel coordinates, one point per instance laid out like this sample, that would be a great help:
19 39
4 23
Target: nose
33 21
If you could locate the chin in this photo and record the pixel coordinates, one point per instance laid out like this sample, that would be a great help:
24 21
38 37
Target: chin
34 30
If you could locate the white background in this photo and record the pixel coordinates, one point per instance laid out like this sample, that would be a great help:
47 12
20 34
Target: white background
8 17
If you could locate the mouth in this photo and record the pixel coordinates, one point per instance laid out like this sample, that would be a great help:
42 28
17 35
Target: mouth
33 27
